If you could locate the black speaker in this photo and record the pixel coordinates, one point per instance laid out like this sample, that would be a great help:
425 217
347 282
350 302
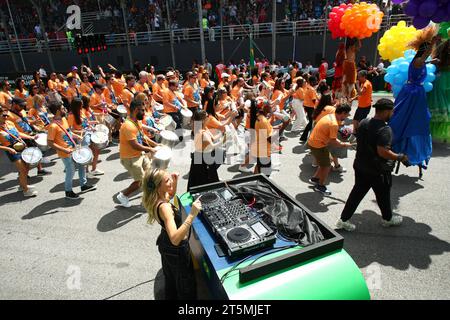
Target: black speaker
120 61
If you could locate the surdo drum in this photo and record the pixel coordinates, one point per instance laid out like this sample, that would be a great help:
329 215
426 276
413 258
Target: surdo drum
169 138
161 159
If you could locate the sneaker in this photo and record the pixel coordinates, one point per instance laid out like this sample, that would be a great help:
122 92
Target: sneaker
395 221
96 172
124 201
29 187
87 187
322 189
347 226
45 160
245 169
43 173
339 169
314 165
314 180
30 193
71 195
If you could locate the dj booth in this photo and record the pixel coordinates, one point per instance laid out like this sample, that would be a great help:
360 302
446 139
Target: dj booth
246 248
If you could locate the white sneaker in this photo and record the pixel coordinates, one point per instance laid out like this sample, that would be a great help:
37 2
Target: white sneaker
339 169
124 201
347 226
30 193
96 172
395 221
45 160
245 169
29 187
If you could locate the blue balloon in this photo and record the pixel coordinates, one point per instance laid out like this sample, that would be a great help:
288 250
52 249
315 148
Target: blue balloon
410 59
389 77
392 69
431 68
403 66
410 53
430 77
399 79
428 86
399 60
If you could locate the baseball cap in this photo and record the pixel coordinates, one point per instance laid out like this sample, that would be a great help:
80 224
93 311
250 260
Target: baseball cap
74 68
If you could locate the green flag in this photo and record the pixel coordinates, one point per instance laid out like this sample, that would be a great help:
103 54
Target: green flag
252 54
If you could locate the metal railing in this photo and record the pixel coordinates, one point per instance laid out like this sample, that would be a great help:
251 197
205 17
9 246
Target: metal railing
230 32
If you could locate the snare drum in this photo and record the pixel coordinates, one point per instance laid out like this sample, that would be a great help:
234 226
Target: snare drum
168 123
122 111
99 139
161 159
187 116
82 156
41 141
169 138
102 128
32 156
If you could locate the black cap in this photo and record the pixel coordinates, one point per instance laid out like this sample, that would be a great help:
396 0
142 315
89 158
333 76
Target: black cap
384 104
19 101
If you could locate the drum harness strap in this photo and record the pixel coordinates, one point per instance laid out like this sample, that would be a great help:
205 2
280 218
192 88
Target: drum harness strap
18 139
67 133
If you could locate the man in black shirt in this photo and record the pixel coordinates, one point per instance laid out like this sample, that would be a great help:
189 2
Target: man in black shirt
373 165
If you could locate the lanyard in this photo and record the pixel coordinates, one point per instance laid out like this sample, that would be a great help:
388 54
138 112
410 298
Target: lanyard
12 135
67 133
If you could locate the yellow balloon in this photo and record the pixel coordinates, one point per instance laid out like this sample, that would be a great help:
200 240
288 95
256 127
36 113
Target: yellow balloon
395 41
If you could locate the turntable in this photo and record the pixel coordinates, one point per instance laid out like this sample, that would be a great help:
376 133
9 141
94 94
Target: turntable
237 227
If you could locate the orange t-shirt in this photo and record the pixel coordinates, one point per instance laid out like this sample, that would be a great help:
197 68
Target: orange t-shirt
310 97
280 93
157 90
86 89
325 130
11 136
236 92
72 93
127 96
73 124
365 100
62 86
59 137
204 83
23 95
34 114
130 131
260 147
118 86
168 96
325 111
213 124
139 87
107 93
52 85
299 94
5 99
192 93
95 100
20 124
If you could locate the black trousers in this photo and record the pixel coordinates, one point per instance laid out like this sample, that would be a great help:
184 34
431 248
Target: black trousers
178 270
309 113
380 184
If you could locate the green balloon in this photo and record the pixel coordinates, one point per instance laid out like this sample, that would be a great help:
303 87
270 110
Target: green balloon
444 30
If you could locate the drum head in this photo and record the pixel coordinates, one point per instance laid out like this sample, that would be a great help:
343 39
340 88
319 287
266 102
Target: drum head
31 155
102 128
41 139
82 155
186 113
165 121
164 153
169 135
99 137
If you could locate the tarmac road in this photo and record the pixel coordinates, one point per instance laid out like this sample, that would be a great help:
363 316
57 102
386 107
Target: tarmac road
53 248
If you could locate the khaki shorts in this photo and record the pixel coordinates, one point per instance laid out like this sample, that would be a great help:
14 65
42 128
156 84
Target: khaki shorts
322 156
136 167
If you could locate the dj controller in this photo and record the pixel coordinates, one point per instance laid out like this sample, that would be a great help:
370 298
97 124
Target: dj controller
237 226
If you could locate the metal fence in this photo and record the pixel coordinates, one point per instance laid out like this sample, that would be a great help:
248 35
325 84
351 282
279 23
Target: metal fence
230 32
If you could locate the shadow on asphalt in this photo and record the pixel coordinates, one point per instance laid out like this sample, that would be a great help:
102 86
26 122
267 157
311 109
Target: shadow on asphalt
441 150
52 207
119 217
113 156
313 201
121 176
307 171
76 184
158 287
402 247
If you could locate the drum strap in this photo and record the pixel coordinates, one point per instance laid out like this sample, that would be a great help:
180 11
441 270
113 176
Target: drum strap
67 133
12 135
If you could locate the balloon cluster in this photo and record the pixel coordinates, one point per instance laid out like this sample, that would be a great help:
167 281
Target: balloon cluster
424 11
334 22
444 30
397 73
361 20
395 41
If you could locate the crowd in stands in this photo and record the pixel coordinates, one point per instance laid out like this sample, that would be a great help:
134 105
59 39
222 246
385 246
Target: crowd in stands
151 15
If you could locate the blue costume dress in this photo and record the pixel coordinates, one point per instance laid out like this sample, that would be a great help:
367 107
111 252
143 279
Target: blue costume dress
410 122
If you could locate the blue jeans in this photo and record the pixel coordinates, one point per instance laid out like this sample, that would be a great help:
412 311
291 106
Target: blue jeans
69 165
